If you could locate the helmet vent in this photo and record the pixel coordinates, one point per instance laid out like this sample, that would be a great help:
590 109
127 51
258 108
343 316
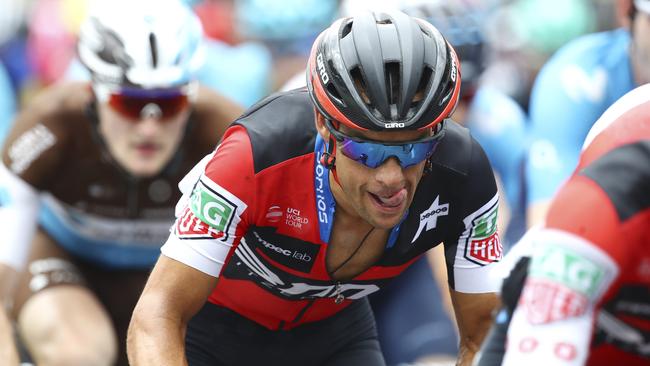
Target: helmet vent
346 30
154 49
393 81
420 92
360 85
331 90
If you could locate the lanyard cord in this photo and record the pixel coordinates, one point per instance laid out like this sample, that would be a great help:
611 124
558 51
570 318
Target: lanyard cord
353 253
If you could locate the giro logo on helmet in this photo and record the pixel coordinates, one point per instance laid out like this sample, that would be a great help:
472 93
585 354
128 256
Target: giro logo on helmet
454 70
320 64
394 125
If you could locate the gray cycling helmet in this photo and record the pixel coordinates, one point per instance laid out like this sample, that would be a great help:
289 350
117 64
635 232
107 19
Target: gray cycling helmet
383 71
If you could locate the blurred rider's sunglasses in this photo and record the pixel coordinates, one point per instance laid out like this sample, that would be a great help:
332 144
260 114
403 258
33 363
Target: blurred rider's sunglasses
136 104
374 153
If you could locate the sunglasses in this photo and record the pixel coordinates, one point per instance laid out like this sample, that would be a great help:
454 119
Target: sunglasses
136 104
373 154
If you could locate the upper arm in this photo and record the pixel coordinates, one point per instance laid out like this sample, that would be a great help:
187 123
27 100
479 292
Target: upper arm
167 291
215 210
471 250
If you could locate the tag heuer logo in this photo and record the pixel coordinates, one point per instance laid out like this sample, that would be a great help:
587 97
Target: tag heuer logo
484 246
429 218
216 206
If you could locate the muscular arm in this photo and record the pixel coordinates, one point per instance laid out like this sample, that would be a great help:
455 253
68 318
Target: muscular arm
8 353
474 317
157 331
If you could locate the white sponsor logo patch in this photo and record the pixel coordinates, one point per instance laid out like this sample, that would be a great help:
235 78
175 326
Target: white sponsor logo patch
429 218
29 146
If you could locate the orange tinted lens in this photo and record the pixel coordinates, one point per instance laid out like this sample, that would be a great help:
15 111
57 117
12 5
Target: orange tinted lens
132 107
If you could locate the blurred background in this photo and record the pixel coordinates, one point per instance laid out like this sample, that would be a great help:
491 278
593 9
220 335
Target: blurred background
260 44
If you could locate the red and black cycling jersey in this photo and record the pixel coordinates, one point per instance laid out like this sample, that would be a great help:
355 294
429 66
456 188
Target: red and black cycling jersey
592 306
257 213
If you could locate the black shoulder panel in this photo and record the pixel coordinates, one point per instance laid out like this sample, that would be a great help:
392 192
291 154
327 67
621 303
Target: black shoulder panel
455 150
280 127
624 174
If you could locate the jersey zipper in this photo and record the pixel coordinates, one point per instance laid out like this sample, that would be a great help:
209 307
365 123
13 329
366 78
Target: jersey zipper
339 296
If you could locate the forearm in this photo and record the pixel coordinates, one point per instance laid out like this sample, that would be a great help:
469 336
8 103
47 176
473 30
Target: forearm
8 353
474 317
156 339
471 343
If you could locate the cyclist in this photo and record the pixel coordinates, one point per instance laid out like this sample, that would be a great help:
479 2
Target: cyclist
87 178
319 198
587 288
573 89
411 304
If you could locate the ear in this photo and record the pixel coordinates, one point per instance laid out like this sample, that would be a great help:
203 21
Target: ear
320 126
623 9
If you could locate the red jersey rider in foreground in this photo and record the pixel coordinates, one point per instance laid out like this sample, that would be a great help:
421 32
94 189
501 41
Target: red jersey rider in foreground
587 295
290 223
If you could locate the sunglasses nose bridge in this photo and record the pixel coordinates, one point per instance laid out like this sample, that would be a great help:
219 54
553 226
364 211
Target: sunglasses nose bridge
151 111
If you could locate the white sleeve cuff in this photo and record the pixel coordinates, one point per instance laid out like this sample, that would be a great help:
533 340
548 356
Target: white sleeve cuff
192 253
477 280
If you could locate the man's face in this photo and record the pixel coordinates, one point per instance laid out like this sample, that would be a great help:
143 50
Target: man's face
640 48
381 195
142 145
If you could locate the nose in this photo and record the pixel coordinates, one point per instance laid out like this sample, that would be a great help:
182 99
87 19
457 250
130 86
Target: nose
390 173
148 126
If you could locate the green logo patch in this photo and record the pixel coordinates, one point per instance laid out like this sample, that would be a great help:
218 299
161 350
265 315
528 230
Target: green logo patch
486 224
211 207
569 268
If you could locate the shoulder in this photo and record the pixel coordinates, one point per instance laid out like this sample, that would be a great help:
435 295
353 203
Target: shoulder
459 152
586 68
212 113
627 120
215 106
592 49
624 175
280 127
47 124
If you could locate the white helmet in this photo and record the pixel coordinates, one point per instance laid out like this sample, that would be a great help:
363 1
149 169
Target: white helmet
142 43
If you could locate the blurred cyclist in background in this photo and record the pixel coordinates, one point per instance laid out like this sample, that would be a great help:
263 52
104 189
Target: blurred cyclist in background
573 89
586 274
89 174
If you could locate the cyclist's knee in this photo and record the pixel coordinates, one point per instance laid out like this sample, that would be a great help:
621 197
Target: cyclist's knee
86 339
61 322
74 355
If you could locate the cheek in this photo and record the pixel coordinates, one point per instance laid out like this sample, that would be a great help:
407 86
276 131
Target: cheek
174 130
112 128
350 172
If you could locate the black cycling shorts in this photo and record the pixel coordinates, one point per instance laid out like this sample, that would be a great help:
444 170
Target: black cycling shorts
217 336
